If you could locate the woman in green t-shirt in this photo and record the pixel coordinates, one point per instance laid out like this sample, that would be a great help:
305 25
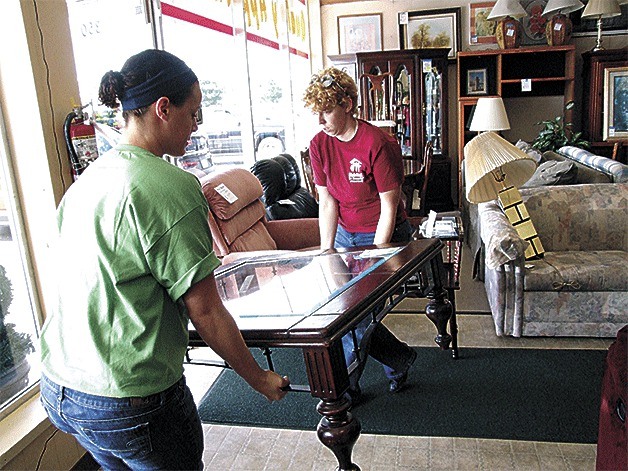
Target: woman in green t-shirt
133 238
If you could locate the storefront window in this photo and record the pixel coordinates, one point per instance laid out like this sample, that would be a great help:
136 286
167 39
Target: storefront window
19 361
252 60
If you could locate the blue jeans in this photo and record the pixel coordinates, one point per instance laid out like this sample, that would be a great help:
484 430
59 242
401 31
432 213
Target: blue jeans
384 346
161 431
345 239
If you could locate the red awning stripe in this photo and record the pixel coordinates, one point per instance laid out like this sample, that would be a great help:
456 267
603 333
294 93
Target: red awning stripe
184 15
261 40
296 52
189 17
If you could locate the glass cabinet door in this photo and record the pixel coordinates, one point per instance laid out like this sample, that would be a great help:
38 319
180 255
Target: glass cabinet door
432 105
401 98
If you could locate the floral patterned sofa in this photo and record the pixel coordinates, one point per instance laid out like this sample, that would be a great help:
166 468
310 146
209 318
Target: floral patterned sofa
580 286
586 167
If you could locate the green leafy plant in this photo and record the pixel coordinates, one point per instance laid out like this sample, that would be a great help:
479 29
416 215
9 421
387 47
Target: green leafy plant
14 345
557 133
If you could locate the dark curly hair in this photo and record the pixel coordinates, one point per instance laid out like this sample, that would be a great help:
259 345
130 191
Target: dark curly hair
136 70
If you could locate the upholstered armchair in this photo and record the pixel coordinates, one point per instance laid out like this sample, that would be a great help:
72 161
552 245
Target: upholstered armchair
237 217
580 286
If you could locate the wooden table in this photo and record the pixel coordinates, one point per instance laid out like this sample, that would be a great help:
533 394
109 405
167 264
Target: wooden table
310 300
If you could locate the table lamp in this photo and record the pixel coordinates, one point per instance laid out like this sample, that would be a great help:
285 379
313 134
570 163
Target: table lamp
558 28
493 169
508 30
489 115
600 9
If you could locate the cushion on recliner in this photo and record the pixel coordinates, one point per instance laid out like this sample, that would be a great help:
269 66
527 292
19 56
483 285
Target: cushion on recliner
244 185
300 204
256 238
270 174
241 222
291 172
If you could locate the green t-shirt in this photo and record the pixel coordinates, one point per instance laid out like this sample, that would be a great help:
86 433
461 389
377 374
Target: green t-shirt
133 237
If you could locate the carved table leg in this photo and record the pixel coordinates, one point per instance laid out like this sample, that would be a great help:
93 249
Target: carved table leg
439 311
453 324
339 431
327 373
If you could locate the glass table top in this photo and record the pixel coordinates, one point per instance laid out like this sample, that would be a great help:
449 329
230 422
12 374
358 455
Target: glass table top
281 291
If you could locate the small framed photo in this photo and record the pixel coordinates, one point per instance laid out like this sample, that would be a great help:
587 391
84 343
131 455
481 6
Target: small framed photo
615 103
476 82
481 29
357 33
431 28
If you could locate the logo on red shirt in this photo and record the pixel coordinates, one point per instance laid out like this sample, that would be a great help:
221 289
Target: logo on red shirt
355 171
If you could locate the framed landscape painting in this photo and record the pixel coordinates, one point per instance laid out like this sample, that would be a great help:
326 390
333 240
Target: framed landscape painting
432 28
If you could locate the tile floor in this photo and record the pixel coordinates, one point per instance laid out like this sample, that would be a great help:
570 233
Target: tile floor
257 449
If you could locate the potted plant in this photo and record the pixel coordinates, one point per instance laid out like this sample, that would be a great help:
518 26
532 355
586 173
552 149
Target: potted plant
14 346
557 133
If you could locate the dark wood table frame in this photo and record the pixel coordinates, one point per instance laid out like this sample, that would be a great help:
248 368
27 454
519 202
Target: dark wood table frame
416 270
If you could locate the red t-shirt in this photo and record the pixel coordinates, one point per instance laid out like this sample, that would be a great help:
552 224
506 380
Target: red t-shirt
355 172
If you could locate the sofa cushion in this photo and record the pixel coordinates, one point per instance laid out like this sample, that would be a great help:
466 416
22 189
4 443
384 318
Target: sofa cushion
584 174
616 171
603 270
553 172
531 151
579 217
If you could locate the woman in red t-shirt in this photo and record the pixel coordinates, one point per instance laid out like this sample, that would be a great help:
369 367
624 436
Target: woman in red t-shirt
358 172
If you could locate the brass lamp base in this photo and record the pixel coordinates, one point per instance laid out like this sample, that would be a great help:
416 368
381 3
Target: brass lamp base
516 212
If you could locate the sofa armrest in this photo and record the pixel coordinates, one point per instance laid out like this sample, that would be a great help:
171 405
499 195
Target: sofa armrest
295 234
500 238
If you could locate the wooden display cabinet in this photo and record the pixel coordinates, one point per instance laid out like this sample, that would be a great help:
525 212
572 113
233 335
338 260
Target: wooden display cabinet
512 73
406 92
594 67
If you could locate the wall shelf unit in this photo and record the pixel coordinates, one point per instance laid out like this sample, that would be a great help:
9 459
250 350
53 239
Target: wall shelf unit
541 71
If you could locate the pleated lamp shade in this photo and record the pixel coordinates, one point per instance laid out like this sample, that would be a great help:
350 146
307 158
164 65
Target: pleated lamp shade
562 6
504 8
489 115
486 157
601 9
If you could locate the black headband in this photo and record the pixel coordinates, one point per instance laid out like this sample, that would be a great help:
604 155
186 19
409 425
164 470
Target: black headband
166 82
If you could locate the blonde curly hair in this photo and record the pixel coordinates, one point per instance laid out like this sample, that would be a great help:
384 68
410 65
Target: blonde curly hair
329 88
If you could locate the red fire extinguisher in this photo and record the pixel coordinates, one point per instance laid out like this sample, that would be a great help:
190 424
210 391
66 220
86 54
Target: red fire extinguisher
80 139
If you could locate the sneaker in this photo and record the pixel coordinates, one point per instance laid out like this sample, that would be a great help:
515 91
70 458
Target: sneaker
396 385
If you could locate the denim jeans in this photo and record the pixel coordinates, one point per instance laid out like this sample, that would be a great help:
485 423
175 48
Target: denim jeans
161 431
344 238
384 346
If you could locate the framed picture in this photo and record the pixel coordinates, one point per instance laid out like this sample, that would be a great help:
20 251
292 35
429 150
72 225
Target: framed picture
357 33
481 30
615 103
476 82
610 26
533 23
431 28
